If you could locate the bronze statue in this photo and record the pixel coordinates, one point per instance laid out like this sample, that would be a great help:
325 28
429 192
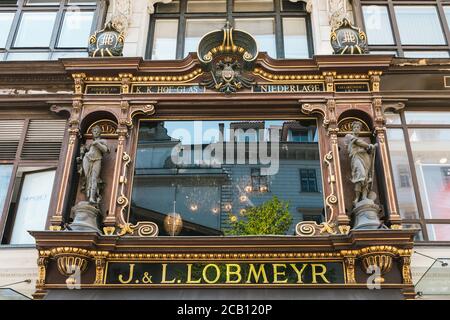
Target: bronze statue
91 164
362 156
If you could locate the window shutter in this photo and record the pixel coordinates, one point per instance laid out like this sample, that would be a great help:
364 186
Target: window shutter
43 139
10 133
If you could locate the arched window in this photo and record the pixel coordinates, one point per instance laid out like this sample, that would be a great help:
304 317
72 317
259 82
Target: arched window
281 28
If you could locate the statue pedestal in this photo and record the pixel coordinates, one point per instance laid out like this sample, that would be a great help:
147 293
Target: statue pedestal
85 217
366 215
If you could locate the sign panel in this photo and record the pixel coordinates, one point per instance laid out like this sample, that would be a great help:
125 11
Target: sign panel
167 89
102 89
352 87
224 273
289 88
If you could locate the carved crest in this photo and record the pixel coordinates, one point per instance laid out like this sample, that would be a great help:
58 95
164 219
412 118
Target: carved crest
107 42
227 55
347 39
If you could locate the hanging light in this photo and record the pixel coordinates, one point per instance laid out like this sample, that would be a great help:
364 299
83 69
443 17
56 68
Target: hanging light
173 223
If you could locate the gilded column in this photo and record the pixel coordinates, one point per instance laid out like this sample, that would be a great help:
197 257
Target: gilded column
380 131
74 133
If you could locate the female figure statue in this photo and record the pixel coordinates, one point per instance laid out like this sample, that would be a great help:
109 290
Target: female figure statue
362 156
91 157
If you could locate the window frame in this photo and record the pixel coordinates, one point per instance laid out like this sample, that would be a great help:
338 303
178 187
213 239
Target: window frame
21 7
229 15
18 163
308 179
421 220
397 46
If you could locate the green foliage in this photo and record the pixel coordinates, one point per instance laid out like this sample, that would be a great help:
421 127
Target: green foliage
270 218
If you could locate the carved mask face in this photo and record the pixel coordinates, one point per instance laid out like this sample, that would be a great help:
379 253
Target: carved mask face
356 127
96 131
228 73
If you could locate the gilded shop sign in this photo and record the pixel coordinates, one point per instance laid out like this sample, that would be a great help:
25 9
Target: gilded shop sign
224 273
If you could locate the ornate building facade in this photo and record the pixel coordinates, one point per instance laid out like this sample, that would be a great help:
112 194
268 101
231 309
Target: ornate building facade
293 146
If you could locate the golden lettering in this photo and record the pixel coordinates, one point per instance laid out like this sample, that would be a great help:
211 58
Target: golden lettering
189 275
205 273
130 275
277 273
321 274
236 272
164 275
299 272
256 275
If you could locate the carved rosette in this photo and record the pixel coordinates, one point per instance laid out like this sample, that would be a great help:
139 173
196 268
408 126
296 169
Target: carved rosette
378 260
71 262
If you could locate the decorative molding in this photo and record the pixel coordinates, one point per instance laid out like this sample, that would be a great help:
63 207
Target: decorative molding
122 200
42 263
337 11
121 14
347 39
71 262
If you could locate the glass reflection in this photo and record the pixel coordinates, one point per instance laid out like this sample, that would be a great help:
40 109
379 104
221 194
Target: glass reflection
212 173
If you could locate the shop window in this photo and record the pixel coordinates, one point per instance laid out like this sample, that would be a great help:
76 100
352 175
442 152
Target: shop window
42 30
200 171
25 181
29 210
281 28
406 27
425 175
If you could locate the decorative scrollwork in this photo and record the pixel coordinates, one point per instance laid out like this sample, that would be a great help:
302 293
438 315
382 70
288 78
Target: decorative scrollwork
122 200
311 228
141 229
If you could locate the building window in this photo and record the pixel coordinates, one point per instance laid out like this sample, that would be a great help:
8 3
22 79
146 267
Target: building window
420 150
308 180
43 30
280 27
29 153
408 28
208 194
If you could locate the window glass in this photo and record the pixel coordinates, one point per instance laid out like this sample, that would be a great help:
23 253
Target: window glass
378 25
392 118
43 2
171 7
207 6
69 54
76 29
419 25
35 29
402 174
253 5
165 39
447 14
32 207
83 2
6 19
431 155
263 30
426 54
287 5
5 177
419 234
21 56
424 117
295 38
201 172
196 29
438 232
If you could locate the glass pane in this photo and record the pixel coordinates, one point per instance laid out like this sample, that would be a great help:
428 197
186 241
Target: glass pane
20 56
253 5
287 5
402 174
263 30
69 54
196 29
378 25
82 2
43 2
419 234
171 7
5 177
392 118
200 175
433 277
165 40
35 29
76 29
431 154
8 3
426 54
295 38
33 205
6 19
426 117
207 6
447 14
419 25
438 232
2 56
